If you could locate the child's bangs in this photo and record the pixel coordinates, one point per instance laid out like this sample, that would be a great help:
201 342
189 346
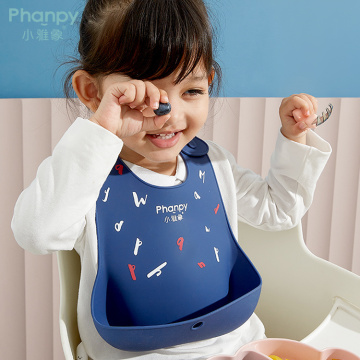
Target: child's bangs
182 61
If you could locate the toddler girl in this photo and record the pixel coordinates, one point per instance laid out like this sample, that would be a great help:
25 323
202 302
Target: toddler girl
151 209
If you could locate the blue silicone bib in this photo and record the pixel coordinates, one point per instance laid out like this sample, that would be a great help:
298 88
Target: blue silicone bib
170 270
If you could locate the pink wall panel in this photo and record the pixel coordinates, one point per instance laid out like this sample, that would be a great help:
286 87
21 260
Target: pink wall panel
12 261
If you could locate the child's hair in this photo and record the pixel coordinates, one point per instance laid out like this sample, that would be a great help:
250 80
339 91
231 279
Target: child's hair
144 39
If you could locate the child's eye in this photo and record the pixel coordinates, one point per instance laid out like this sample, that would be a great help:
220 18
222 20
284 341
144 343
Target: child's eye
194 92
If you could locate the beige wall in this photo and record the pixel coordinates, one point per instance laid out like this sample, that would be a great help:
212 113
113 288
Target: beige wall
248 127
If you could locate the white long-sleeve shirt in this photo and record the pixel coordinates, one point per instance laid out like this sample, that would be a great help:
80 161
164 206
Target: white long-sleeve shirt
57 212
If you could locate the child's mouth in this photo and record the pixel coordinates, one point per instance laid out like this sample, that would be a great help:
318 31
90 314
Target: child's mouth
163 136
165 140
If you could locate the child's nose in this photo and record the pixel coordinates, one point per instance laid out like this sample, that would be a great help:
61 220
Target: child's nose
177 111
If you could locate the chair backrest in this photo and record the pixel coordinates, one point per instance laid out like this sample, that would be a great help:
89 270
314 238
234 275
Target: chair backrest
69 271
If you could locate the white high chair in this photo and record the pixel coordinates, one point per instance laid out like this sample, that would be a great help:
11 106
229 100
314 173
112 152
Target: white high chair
303 297
69 273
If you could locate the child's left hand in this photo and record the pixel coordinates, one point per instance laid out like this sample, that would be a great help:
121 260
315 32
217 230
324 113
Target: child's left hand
297 113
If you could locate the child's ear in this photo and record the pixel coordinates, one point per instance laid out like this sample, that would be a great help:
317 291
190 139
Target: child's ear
87 89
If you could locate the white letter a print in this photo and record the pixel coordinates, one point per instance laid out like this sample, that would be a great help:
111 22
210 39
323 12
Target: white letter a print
138 201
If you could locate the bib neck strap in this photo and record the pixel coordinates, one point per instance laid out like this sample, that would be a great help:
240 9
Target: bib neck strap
196 147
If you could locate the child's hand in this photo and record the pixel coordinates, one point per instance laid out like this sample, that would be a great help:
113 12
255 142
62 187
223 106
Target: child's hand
297 114
127 107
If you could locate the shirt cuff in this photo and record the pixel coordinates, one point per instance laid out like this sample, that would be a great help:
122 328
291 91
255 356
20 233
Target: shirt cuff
301 162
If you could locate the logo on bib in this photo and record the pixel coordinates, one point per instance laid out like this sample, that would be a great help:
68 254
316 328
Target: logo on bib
173 212
162 209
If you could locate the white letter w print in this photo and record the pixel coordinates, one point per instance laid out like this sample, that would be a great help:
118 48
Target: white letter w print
137 201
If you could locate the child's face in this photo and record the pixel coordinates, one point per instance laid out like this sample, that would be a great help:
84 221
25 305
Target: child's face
158 150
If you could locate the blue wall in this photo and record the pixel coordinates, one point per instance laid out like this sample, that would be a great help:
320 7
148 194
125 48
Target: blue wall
278 47
35 36
265 47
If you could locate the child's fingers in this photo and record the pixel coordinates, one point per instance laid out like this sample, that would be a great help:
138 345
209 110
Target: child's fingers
131 93
163 96
298 107
155 95
314 103
147 101
299 102
306 103
152 95
299 116
139 95
124 92
311 103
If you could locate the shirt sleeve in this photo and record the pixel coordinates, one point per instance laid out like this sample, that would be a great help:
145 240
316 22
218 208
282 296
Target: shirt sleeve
50 214
281 199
